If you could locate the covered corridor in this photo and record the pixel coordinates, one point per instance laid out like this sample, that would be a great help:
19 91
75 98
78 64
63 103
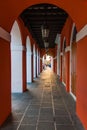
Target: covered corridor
44 106
35 34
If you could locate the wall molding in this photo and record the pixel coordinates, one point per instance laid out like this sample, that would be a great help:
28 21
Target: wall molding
74 97
61 53
63 83
5 35
82 33
67 49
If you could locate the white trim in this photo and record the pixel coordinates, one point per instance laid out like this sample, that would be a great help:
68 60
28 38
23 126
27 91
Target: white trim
82 33
5 35
18 48
64 39
73 26
29 53
74 97
61 53
68 48
63 83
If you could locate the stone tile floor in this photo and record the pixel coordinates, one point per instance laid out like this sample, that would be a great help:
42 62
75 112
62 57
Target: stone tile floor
44 106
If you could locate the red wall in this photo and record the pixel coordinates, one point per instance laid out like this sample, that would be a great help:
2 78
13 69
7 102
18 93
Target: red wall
24 70
81 89
5 80
66 32
81 72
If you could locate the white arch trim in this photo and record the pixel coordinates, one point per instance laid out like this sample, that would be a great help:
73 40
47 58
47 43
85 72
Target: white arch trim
5 35
28 60
71 39
16 59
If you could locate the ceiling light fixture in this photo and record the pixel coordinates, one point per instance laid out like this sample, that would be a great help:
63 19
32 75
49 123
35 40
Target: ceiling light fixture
45 31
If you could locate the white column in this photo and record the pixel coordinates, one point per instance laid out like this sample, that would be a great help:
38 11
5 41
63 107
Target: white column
37 62
16 68
29 78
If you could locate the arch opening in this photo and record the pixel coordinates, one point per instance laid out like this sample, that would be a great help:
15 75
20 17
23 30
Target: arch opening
64 62
34 62
73 61
16 59
47 62
28 60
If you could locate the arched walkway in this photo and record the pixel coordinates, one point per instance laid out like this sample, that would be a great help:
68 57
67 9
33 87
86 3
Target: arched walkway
9 12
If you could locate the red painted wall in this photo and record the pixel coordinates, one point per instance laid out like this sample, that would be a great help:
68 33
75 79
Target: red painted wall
66 32
81 90
5 80
81 79
24 70
76 9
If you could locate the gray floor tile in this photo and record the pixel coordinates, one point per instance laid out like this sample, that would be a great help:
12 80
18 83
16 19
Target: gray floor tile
63 120
48 104
32 112
46 111
65 127
46 118
27 127
45 126
61 112
29 120
9 126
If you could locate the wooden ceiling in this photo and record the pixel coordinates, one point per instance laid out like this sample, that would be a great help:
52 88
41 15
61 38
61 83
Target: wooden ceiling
35 16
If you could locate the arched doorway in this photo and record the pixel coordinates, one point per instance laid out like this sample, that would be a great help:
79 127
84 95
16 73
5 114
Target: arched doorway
64 63
16 59
47 62
38 61
34 61
73 61
28 60
58 57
